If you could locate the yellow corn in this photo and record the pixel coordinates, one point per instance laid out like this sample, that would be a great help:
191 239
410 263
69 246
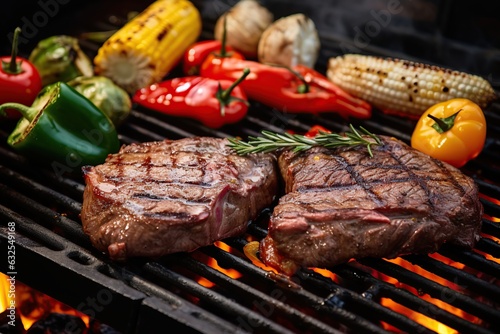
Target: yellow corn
405 87
150 45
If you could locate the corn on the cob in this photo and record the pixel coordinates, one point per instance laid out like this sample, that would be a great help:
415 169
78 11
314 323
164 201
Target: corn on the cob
405 87
150 45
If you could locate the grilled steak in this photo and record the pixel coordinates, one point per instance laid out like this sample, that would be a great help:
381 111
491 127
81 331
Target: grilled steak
156 198
342 204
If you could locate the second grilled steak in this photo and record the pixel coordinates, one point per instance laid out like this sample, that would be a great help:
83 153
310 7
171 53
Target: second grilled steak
157 198
342 204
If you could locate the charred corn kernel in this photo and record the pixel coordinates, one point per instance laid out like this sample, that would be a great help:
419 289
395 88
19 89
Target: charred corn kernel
150 45
405 87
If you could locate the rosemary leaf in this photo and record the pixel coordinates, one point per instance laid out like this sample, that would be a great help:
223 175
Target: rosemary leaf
270 141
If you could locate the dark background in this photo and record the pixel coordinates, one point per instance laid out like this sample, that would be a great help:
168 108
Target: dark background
458 34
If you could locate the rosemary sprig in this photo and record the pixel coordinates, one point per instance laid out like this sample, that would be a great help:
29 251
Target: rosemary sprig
271 141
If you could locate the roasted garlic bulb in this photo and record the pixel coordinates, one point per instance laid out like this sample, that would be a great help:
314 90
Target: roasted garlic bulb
290 41
245 23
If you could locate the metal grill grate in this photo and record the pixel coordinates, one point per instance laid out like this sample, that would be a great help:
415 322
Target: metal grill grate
142 295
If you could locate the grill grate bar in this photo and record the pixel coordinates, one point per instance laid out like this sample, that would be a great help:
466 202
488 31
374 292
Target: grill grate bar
489 246
487 188
491 228
290 287
183 315
411 301
19 164
29 186
457 276
471 259
64 267
216 301
365 303
436 290
372 309
491 208
255 297
46 217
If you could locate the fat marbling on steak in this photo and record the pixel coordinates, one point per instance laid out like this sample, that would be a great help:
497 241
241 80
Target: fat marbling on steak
342 204
156 198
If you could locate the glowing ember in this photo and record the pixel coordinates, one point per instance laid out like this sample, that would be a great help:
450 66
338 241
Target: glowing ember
32 305
213 263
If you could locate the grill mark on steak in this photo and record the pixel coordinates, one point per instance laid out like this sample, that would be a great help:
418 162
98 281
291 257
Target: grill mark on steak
154 197
413 177
360 181
157 198
398 202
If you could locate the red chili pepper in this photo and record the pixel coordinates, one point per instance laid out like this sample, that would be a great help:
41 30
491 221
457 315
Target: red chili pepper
20 81
212 102
316 130
296 90
215 49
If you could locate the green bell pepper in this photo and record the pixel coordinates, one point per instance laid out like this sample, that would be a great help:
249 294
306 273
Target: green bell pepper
64 128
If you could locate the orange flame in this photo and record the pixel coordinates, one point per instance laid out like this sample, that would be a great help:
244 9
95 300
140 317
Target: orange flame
213 263
416 316
326 273
32 305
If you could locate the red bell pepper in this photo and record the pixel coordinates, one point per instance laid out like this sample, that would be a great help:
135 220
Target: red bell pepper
198 52
212 102
20 81
316 130
296 90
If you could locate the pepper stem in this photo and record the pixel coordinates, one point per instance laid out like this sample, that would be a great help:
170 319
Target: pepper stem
28 112
227 92
12 66
224 95
223 53
443 124
301 89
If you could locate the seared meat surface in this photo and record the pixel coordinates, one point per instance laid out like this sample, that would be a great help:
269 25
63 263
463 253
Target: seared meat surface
157 198
343 204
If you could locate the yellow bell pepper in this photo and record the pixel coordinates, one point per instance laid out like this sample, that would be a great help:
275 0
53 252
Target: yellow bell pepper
453 131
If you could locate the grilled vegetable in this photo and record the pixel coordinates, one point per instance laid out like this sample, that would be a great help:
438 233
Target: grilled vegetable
290 41
404 87
60 58
246 22
63 128
453 131
212 102
19 79
101 91
150 45
196 54
296 90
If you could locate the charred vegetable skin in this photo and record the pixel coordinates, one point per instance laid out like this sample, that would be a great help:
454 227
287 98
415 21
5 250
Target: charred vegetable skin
60 58
20 81
111 99
144 50
296 90
213 103
403 87
453 131
63 127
